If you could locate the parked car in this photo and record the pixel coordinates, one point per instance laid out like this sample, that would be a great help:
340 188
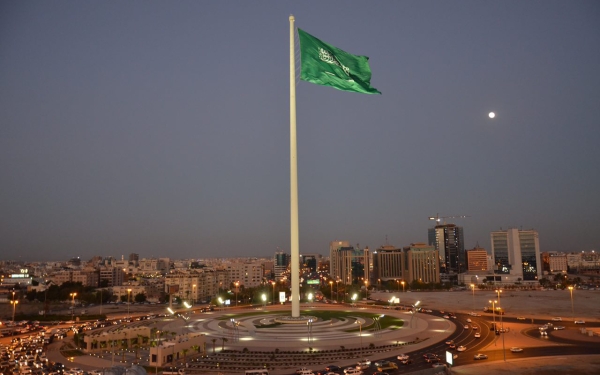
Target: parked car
514 349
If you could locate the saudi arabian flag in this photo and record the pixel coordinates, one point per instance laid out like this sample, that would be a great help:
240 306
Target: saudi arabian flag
327 65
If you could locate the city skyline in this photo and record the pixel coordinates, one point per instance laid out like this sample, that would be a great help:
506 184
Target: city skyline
163 128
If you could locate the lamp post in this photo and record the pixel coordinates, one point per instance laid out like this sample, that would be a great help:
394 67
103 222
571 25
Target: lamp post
128 303
398 281
309 326
360 333
402 282
14 303
331 289
273 297
494 316
337 290
367 289
310 297
572 306
498 291
193 294
473 288
73 305
264 299
237 285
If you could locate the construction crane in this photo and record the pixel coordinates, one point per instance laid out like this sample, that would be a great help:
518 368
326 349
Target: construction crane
440 220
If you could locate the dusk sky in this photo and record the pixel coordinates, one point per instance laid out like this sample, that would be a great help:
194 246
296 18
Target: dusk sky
162 127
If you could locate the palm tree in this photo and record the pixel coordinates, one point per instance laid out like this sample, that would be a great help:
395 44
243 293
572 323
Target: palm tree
224 339
184 351
213 341
196 348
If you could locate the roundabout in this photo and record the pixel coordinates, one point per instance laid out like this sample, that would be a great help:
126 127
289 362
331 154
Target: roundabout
319 328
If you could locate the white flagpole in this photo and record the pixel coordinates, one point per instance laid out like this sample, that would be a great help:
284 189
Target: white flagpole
295 243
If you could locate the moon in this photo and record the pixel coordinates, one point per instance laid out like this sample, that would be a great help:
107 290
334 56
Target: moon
491 114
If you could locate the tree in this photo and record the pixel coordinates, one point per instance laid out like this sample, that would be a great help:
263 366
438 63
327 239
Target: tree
185 352
140 297
224 339
214 341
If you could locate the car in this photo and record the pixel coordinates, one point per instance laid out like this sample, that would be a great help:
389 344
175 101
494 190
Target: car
402 356
381 362
302 370
461 348
352 371
430 357
406 361
452 346
438 364
449 342
514 349
388 366
558 328
333 368
466 326
477 335
446 317
521 318
475 328
363 364
380 373
468 320
557 319
479 356
579 322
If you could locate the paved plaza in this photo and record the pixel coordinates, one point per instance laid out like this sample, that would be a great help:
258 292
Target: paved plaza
255 330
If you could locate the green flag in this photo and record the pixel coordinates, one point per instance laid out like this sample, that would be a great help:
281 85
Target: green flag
327 65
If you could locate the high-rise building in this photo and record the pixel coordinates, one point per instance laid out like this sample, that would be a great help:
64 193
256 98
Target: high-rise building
448 240
348 264
422 263
282 262
517 253
477 259
388 264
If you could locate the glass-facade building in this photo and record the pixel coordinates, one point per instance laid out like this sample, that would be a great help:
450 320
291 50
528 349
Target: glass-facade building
517 252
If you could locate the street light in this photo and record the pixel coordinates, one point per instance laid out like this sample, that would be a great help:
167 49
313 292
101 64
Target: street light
572 306
398 281
14 303
494 312
337 290
310 297
367 288
237 284
360 333
128 303
264 299
498 291
309 325
273 297
353 298
473 288
402 282
73 305
193 294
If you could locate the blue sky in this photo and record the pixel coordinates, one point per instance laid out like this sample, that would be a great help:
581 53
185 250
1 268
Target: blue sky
162 128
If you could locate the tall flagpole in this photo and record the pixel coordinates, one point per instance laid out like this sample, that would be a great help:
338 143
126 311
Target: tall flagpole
295 243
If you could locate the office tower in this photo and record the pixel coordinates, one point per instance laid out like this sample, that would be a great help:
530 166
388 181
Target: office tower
348 264
282 261
422 263
448 240
477 259
388 264
517 253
